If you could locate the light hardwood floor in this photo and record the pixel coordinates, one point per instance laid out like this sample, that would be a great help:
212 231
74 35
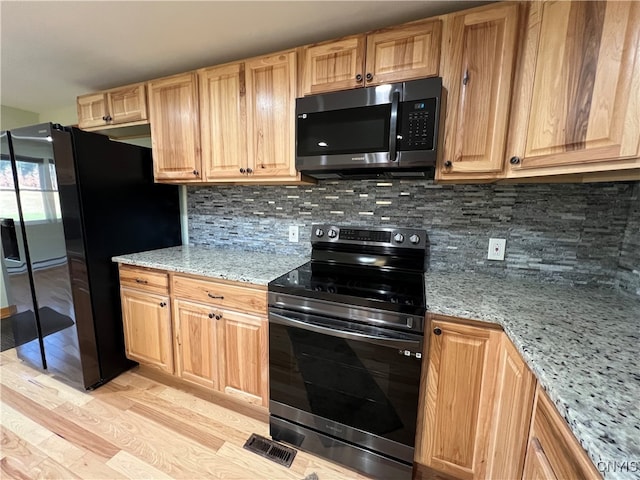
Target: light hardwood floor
134 427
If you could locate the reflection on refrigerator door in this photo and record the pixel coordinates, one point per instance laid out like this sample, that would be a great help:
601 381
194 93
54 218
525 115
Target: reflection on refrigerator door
45 239
20 326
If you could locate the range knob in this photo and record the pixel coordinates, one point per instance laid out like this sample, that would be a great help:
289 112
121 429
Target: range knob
414 238
398 237
332 233
319 232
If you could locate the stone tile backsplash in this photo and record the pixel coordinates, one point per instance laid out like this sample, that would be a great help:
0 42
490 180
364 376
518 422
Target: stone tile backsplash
570 233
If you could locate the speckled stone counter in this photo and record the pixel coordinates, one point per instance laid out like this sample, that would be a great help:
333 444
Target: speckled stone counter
237 265
583 344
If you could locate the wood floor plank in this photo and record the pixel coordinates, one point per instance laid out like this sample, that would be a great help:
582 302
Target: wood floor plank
199 435
254 465
93 467
61 450
50 469
62 390
13 469
21 456
134 468
20 379
58 424
114 394
177 455
23 426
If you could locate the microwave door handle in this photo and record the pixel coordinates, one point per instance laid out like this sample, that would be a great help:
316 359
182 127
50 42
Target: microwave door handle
393 126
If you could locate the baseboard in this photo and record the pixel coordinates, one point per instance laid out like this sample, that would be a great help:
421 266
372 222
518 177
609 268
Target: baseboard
7 311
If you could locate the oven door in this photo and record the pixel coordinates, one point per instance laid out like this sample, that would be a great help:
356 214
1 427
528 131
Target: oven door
355 382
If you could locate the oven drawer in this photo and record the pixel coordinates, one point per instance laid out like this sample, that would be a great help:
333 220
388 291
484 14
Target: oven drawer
144 279
220 294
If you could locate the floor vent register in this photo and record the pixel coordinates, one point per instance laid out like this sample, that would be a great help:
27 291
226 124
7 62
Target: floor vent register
269 449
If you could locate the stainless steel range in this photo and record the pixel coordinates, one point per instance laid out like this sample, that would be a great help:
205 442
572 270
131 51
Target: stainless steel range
345 347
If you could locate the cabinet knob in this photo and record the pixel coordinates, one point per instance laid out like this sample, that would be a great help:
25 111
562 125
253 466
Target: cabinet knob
242 171
163 304
359 77
105 118
437 331
448 164
369 77
514 160
218 316
195 172
211 315
249 171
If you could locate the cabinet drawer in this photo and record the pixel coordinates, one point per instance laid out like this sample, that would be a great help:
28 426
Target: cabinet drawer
220 294
144 279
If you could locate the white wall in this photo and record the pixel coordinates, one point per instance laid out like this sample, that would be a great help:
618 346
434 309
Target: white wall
14 117
65 115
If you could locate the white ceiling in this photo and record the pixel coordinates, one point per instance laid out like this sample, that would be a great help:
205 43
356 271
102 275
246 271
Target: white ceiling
52 51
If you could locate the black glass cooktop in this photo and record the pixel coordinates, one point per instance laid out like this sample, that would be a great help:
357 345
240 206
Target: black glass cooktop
397 290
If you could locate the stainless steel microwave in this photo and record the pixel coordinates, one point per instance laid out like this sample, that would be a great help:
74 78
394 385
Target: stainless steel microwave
384 131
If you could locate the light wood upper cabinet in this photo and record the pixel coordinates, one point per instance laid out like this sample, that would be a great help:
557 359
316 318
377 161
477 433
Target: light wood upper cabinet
553 451
458 402
392 54
478 60
147 328
175 128
405 52
223 122
271 93
197 355
115 107
244 372
334 65
577 104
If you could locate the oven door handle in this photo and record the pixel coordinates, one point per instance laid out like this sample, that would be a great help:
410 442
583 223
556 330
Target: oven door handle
413 346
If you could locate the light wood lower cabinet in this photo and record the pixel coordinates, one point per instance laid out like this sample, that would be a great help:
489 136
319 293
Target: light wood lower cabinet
243 344
216 336
196 343
147 328
476 419
458 401
553 451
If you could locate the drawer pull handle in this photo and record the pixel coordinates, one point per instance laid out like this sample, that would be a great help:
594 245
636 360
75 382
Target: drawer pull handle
219 297
141 280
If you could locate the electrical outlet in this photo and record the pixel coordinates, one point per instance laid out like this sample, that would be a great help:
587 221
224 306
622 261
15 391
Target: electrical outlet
496 248
293 233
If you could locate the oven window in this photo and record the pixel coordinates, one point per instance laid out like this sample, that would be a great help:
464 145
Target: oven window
362 385
347 131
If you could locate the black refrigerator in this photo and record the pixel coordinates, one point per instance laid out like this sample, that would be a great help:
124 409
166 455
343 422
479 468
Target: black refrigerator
69 201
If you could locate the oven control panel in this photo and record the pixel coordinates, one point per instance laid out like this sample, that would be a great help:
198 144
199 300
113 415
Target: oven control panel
384 236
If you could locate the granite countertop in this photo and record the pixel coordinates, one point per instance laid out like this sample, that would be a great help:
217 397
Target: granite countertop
582 343
240 266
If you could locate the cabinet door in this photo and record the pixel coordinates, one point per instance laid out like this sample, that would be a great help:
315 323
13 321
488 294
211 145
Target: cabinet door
515 390
244 371
537 466
127 104
578 96
92 110
271 92
477 68
403 53
458 400
196 346
223 119
147 328
331 66
175 128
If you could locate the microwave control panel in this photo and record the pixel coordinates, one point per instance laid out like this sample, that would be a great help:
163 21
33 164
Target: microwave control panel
417 124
